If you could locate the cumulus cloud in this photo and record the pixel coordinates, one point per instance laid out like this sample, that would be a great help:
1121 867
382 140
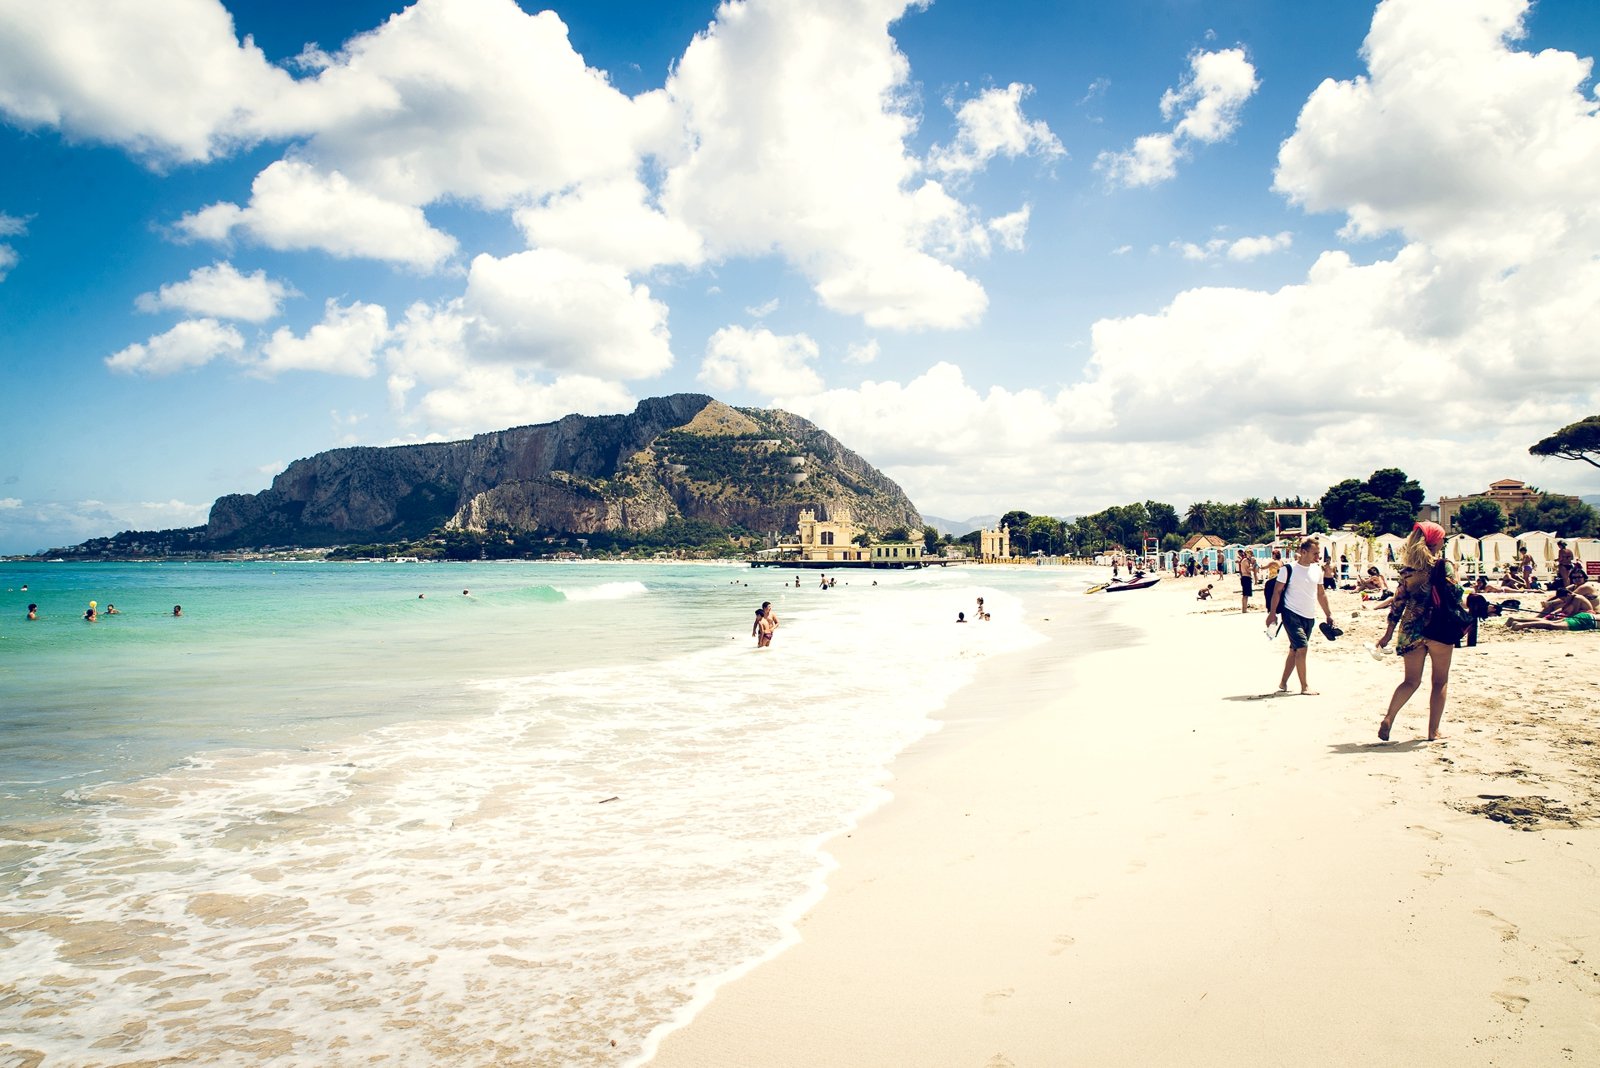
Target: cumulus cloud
760 361
808 159
35 525
1239 250
1012 229
1506 157
992 124
10 226
169 81
550 310
192 343
1205 107
862 351
346 342
295 206
221 292
1495 295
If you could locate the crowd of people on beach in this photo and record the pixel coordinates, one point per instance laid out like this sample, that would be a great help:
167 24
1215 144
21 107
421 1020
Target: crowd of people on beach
1429 613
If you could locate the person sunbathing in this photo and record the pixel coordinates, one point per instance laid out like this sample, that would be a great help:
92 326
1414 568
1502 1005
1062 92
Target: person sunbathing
1578 621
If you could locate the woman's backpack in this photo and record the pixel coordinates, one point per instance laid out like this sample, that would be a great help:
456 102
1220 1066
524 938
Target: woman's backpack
1448 618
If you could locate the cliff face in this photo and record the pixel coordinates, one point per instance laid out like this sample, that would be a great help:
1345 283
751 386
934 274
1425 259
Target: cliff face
684 456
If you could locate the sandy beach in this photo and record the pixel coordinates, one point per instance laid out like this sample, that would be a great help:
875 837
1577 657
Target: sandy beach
1146 857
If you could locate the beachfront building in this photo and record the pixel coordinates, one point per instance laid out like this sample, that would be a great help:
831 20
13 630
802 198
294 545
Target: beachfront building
1509 493
829 540
895 552
994 546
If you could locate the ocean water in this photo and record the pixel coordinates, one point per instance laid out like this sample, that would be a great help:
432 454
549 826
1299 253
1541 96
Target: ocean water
348 813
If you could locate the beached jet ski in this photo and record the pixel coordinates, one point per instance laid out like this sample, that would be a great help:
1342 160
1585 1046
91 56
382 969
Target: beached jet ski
1138 582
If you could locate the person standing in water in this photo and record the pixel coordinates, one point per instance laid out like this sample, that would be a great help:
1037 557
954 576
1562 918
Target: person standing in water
766 622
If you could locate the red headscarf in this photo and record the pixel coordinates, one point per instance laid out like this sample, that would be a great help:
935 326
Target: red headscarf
1432 534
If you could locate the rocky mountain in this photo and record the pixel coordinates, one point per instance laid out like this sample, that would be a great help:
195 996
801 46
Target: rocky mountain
686 456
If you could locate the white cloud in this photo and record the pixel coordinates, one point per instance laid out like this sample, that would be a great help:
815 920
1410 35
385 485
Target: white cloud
346 342
862 352
221 292
807 158
169 81
470 99
550 310
192 343
295 206
761 311
1240 250
10 226
760 361
492 398
1207 106
1508 157
1416 359
611 222
9 503
1012 229
1251 248
992 124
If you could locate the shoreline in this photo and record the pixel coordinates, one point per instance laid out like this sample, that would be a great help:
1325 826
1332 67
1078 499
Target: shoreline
1153 860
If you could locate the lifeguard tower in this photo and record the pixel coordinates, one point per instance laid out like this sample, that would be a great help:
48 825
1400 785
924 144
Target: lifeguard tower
1290 524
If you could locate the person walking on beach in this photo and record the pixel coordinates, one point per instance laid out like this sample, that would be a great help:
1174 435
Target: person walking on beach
1423 574
1274 565
1563 563
1298 594
1247 579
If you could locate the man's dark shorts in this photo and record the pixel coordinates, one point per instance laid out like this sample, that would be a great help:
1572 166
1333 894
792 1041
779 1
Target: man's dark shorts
1247 585
1299 628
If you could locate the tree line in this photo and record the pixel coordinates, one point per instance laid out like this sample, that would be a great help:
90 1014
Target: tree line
1387 501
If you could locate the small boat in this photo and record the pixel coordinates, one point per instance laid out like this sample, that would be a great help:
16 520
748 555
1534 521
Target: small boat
1137 584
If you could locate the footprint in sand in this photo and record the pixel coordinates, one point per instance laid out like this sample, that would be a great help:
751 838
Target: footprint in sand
1511 1001
1508 930
1427 831
1433 871
995 998
1134 867
1061 944
999 1060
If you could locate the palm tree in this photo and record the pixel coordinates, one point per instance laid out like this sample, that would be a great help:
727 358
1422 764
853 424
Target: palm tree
1253 517
1198 517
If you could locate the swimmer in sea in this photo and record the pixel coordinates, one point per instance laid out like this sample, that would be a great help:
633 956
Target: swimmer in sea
177 609
111 610
33 610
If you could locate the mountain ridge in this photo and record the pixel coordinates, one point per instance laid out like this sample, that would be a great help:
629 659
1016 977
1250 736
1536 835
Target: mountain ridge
686 456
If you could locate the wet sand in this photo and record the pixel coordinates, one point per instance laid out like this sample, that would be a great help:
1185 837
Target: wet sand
1150 858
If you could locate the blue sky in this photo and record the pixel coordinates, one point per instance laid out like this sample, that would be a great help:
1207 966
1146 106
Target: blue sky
1039 255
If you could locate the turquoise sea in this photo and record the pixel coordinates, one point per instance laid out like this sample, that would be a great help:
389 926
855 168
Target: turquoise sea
350 813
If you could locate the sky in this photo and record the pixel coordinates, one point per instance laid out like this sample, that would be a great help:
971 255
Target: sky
1046 255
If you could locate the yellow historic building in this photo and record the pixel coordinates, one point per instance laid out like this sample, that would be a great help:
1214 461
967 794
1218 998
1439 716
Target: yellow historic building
1509 493
825 540
832 541
995 545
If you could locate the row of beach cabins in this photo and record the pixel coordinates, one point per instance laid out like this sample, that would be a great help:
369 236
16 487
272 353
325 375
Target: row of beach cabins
1352 554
